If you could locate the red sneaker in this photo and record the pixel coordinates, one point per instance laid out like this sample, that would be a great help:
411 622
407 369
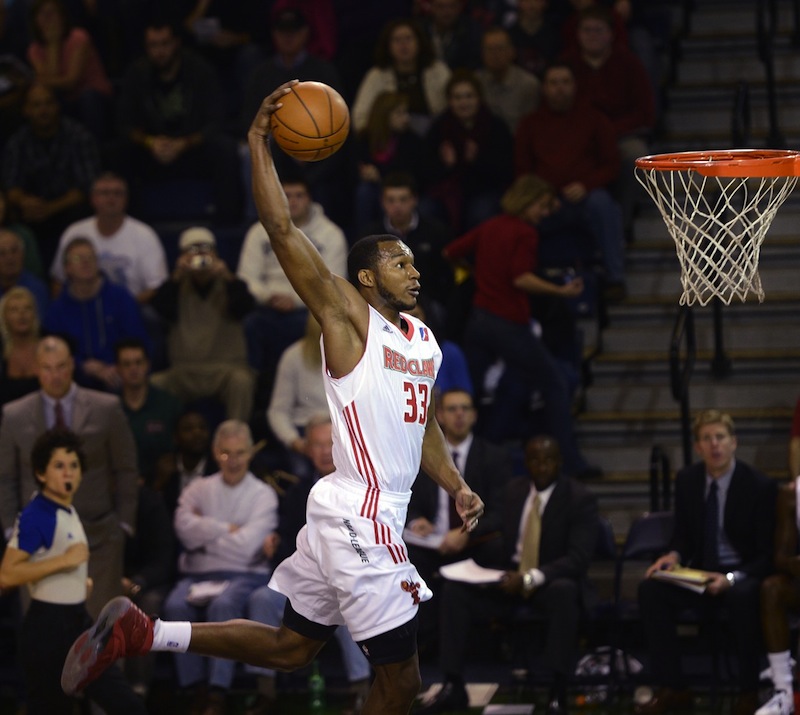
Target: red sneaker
121 629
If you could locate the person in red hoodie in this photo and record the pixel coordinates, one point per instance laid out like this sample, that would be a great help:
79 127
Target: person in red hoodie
571 144
616 82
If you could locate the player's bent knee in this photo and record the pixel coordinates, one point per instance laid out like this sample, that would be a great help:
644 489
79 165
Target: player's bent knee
398 683
294 651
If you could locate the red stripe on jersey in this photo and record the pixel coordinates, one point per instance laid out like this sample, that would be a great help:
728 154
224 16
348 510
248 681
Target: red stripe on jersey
370 506
396 551
401 557
370 468
357 451
363 461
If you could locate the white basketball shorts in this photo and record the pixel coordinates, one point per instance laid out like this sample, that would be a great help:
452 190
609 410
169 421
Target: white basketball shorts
350 569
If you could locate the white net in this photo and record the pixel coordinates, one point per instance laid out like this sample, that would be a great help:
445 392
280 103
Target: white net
718 224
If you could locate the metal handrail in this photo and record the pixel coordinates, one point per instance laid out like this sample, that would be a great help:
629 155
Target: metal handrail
741 120
766 28
681 373
660 484
796 22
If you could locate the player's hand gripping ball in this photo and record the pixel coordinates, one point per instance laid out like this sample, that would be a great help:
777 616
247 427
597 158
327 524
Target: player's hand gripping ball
313 122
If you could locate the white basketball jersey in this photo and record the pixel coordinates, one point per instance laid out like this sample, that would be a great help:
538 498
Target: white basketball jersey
379 410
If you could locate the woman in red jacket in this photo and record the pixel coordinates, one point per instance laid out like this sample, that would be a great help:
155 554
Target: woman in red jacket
503 253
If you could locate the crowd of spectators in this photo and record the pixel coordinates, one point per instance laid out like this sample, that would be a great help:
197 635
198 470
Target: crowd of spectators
129 237
124 132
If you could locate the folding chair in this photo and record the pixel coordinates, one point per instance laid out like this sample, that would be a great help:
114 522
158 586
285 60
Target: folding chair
648 537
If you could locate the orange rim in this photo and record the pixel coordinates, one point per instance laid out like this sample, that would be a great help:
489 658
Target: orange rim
740 163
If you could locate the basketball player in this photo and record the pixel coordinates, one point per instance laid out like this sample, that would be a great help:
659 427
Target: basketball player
780 602
351 565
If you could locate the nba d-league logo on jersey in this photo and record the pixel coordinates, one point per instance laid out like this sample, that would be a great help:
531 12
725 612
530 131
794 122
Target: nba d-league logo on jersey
423 333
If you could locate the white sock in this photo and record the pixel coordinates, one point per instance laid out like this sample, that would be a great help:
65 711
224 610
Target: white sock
780 665
172 636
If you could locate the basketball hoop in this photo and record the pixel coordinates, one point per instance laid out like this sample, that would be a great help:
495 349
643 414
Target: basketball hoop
717 206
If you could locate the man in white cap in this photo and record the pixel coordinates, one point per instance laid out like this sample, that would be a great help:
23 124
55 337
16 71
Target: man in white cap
204 304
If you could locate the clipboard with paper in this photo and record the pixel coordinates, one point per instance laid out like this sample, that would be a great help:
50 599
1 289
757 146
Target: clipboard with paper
692 579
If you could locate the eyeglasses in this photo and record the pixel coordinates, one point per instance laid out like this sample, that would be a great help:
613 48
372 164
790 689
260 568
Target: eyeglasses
199 248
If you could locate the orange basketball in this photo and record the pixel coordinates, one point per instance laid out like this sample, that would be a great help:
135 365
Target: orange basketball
313 122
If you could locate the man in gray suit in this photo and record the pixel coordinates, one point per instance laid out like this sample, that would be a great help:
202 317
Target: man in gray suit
107 501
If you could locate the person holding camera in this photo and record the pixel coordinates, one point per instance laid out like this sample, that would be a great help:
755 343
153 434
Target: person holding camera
204 304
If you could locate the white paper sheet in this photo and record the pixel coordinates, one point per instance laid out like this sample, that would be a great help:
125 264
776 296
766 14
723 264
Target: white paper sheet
431 541
469 572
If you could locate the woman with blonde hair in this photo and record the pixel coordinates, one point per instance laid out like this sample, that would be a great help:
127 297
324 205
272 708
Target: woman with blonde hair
19 330
299 393
503 254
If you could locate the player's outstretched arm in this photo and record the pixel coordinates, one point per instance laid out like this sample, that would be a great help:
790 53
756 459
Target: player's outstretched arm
319 289
437 462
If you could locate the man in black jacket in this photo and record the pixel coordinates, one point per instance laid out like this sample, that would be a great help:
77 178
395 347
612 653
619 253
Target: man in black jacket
724 521
549 524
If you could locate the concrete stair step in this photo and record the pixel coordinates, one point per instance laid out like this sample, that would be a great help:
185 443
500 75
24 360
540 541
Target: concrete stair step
757 355
621 427
728 67
630 462
706 138
732 394
687 118
653 367
764 335
663 310
687 93
666 281
715 18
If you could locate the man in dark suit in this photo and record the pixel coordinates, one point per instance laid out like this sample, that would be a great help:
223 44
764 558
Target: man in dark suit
724 521
107 501
549 524
433 531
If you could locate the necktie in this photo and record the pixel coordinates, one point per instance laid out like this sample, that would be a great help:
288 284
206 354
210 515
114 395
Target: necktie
530 543
59 410
711 531
455 520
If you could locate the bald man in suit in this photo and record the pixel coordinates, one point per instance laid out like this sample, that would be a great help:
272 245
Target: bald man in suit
107 500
